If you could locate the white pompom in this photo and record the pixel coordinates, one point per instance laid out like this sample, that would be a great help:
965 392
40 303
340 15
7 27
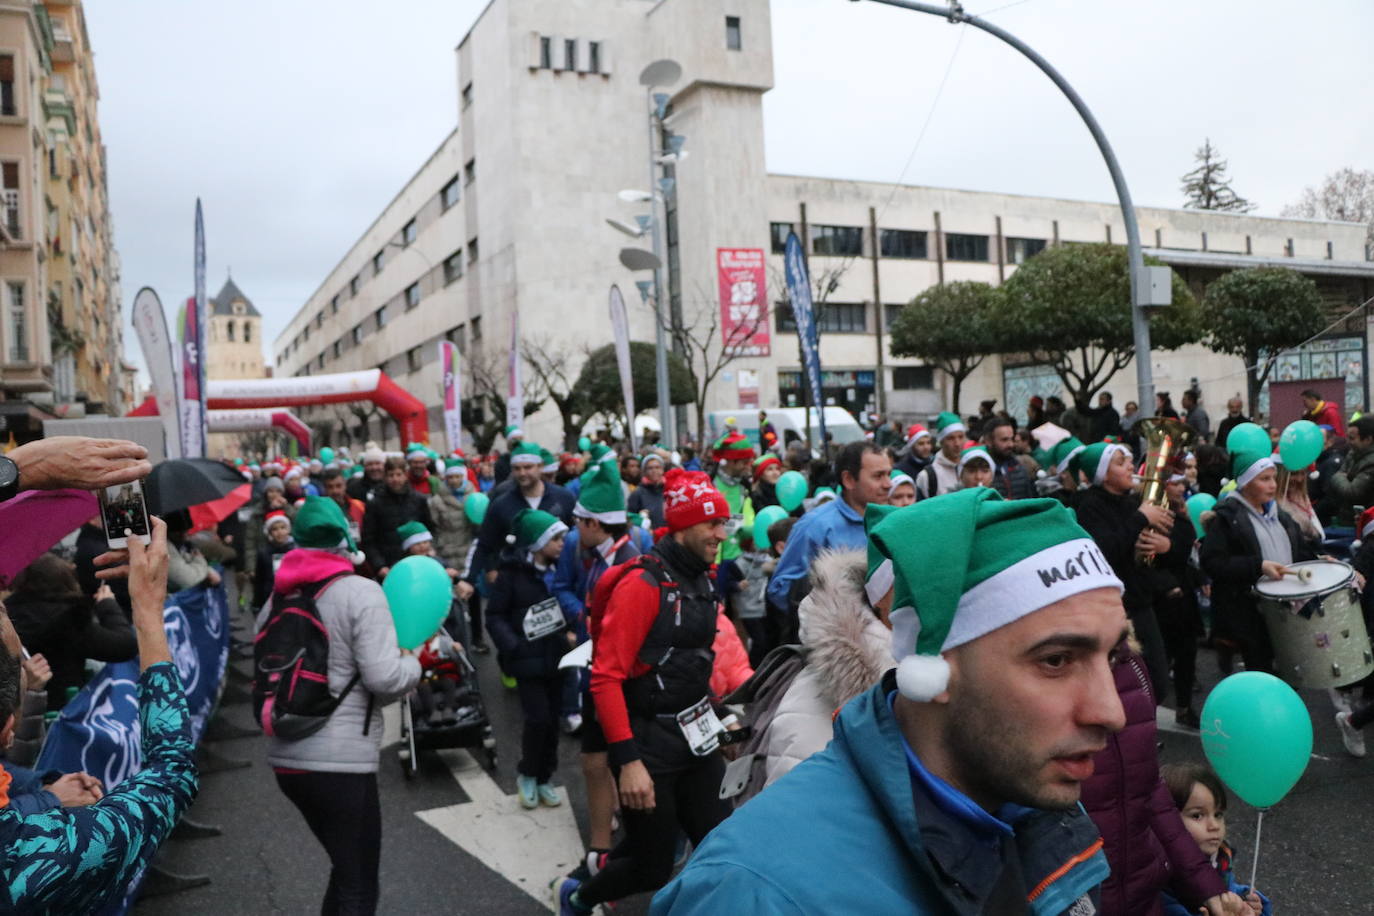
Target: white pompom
510 539
922 678
357 558
1314 475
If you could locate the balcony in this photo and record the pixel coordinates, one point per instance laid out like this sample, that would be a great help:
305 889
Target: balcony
63 48
9 202
57 104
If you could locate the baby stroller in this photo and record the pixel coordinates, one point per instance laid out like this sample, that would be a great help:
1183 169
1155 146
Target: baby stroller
463 725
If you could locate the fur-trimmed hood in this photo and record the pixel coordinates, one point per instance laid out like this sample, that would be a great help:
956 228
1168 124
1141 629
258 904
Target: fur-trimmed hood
847 646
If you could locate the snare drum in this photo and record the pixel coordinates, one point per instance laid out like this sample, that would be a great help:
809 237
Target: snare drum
1316 625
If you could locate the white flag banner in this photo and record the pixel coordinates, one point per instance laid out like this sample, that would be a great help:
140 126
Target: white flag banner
453 393
515 398
620 326
150 322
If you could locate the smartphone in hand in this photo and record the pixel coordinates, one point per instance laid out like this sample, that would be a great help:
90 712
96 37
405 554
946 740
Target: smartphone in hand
122 508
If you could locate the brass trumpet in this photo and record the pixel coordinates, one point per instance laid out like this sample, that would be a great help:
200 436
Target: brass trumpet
1165 440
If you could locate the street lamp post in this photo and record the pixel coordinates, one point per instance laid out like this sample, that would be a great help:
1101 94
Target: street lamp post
1144 292
658 74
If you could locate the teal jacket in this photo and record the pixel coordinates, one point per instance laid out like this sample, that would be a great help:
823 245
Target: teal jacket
839 834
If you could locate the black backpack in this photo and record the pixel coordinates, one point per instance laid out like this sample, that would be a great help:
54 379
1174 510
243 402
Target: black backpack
291 697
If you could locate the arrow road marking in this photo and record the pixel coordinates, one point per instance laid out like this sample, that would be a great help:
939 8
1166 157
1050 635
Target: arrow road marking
529 848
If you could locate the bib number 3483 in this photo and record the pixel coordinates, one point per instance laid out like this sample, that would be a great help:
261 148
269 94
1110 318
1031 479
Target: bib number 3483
700 727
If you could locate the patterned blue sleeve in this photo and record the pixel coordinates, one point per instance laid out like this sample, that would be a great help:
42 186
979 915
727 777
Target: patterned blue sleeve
77 860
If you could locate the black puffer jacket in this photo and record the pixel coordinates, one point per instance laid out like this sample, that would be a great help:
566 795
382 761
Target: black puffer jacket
386 512
519 586
67 633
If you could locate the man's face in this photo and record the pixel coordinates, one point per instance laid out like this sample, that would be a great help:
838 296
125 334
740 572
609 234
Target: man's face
736 467
703 538
630 468
396 480
419 466
589 532
374 470
1043 687
1104 400
1233 407
526 476
1000 440
952 444
334 488
1310 403
653 472
874 483
1119 477
923 447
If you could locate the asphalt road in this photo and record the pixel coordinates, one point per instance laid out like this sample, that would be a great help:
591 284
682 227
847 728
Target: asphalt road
1316 843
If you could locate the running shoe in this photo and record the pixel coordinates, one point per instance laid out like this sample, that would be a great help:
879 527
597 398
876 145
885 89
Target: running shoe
1340 699
548 795
572 724
563 890
1351 737
507 682
528 790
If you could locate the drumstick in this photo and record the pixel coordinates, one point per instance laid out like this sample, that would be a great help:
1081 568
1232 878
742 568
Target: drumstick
1303 575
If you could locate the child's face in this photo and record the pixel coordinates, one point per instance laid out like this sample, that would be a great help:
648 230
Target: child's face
280 534
976 474
550 551
904 494
1206 825
422 549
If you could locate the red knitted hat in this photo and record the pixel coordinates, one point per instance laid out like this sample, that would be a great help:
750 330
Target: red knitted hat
732 445
765 461
688 498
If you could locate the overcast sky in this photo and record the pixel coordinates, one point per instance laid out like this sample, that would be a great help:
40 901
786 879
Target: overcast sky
296 122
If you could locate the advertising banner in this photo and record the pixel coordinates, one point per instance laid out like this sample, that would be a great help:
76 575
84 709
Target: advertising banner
453 394
515 398
743 301
150 322
620 327
799 294
192 394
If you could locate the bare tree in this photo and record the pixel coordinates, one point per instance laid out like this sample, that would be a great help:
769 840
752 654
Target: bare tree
1208 188
484 409
556 378
1346 194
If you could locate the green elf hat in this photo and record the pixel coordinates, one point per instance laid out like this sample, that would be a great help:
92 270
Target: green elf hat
601 496
550 461
1094 460
416 448
899 477
1064 451
533 528
513 433
995 562
764 462
1246 466
975 453
412 533
602 453
320 524
947 424
527 453
732 445
879 578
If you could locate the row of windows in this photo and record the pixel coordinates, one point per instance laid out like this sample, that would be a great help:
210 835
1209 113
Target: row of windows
848 241
565 54
414 358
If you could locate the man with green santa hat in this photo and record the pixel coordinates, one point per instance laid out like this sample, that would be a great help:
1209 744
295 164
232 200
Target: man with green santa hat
942 474
951 786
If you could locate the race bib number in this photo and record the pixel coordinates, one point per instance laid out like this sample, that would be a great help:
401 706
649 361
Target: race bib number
700 727
543 619
735 523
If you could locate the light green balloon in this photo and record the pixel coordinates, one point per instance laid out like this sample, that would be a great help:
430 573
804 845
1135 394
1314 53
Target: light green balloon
1302 441
791 489
762 520
1249 437
419 592
1257 734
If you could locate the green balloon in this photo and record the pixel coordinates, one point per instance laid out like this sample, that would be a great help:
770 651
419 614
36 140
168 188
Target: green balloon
1300 444
584 444
326 455
475 507
419 592
1197 504
762 519
1249 437
1258 736
791 489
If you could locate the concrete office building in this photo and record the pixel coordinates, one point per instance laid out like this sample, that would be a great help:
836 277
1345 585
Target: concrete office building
509 213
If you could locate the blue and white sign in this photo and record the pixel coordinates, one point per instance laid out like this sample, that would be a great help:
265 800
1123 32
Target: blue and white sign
803 313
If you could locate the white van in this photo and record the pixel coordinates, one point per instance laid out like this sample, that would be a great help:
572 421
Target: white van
789 423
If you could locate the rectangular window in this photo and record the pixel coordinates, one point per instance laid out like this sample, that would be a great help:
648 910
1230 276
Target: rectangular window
334 305
381 317
470 171
412 296
453 267
378 262
336 349
902 243
545 53
18 323
733 41
10 172
890 313
908 378
319 319
779 232
959 247
833 318
467 95
7 85
457 336
353 287
305 333
408 232
570 54
449 195
357 334
413 359
837 240
477 329
594 57
229 329
1019 250
320 360
472 250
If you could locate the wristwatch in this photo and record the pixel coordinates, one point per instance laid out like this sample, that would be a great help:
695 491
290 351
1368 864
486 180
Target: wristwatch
9 478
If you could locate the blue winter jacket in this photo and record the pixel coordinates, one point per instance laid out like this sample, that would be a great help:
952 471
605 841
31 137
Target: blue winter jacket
28 789
839 834
833 526
1173 908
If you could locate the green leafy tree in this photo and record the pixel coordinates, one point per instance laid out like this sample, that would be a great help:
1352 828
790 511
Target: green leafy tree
952 327
1069 307
1258 313
598 384
1207 186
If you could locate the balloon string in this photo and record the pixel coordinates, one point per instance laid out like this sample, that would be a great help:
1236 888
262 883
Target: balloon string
1259 825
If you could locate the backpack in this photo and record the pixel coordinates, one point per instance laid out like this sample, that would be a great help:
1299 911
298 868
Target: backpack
291 697
761 696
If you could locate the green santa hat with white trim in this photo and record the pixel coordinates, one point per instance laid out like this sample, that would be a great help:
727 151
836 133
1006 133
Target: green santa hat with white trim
527 453
513 433
603 454
1094 460
550 461
947 424
1064 451
533 528
412 533
975 453
878 580
995 562
601 495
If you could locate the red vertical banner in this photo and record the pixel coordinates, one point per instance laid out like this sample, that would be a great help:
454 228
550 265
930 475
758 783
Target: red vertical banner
743 301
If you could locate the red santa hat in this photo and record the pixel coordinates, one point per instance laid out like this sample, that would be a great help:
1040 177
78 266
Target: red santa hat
689 498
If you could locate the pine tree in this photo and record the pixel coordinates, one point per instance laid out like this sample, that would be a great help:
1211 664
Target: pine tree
1207 187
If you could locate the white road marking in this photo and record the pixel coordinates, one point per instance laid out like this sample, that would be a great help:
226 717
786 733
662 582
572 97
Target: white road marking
529 848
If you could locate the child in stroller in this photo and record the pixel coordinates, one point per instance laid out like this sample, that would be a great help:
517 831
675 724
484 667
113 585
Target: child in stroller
442 674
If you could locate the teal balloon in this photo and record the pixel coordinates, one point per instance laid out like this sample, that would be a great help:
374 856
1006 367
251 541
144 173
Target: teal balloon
1258 736
419 592
1300 444
791 489
762 520
1249 437
326 454
584 444
1197 504
475 507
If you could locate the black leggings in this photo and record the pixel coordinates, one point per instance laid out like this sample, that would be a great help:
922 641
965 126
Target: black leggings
540 700
1180 625
643 860
342 811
